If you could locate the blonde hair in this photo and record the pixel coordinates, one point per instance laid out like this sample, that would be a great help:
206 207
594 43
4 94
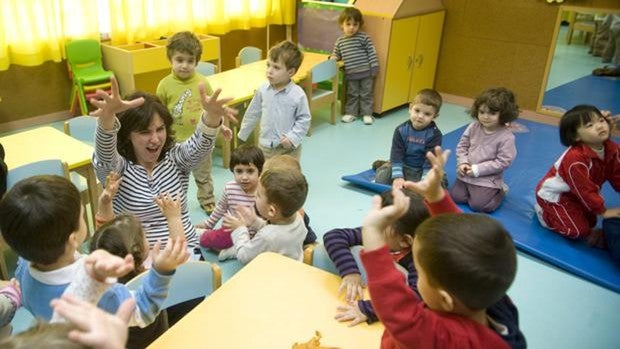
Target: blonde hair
43 335
284 161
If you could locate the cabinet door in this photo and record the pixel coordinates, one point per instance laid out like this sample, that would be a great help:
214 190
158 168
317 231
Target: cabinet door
399 62
426 52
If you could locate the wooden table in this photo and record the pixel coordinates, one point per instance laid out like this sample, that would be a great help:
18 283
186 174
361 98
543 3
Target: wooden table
273 302
241 82
46 143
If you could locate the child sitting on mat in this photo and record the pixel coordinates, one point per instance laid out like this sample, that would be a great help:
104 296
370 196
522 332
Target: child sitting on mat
485 151
568 197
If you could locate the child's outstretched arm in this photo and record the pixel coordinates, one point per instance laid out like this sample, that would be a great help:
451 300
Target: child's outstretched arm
105 212
338 243
379 218
171 209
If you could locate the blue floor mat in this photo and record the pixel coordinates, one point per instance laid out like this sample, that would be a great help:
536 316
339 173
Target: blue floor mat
537 150
576 92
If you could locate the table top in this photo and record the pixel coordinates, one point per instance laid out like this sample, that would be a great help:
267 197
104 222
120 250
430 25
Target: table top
273 302
45 143
241 82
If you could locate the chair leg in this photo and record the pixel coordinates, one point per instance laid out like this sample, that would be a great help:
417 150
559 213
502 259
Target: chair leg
82 96
334 108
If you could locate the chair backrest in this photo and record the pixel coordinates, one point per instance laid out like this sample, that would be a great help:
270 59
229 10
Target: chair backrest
83 53
325 70
206 68
82 128
249 54
43 167
191 280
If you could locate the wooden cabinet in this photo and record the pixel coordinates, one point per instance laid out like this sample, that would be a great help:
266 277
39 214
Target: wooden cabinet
142 65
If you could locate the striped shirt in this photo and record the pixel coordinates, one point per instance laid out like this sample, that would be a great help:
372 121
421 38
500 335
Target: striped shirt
358 54
232 197
170 175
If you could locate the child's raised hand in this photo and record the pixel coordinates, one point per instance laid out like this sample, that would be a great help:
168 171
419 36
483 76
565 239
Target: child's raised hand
430 187
227 133
95 328
378 218
351 285
112 183
101 264
247 213
215 108
233 221
350 313
167 260
110 104
169 205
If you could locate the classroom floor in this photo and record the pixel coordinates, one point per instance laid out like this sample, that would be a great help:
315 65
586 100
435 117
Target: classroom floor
557 309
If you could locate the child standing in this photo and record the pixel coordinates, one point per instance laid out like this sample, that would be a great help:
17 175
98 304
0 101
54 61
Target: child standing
356 50
485 151
465 263
568 197
246 164
280 105
179 92
412 140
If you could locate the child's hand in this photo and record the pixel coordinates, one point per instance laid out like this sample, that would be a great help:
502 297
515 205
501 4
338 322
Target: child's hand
101 264
227 133
94 327
378 218
168 259
350 313
112 183
247 213
112 104
169 205
612 213
352 285
463 169
233 221
430 187
201 225
398 183
285 143
215 108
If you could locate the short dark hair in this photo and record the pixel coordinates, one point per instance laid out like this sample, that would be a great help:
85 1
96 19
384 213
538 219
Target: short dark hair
285 188
138 119
576 117
499 99
471 256
247 155
38 215
415 215
289 53
351 13
429 97
122 236
184 42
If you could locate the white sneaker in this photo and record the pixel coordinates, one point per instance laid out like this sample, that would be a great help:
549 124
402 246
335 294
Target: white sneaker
368 119
227 253
348 118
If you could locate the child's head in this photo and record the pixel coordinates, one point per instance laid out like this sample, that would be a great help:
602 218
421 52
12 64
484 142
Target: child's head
43 335
146 132
282 161
495 107
465 262
400 234
122 236
350 20
424 108
183 51
584 123
41 217
283 60
281 193
246 163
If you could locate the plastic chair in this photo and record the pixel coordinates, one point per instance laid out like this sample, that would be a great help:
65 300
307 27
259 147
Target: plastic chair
317 97
191 280
206 68
247 55
22 321
85 63
8 260
82 128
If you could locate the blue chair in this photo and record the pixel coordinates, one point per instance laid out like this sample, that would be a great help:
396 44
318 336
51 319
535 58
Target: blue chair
318 97
22 321
82 128
206 68
247 55
320 259
191 280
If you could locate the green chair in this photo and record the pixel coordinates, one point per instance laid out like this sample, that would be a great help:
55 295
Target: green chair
85 64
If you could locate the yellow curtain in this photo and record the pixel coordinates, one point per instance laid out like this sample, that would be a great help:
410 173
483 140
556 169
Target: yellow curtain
135 20
34 31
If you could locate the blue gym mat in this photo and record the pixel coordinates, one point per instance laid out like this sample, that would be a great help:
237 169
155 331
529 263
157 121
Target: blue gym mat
537 150
607 96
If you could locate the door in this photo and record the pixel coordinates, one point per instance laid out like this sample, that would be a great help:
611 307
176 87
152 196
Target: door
426 52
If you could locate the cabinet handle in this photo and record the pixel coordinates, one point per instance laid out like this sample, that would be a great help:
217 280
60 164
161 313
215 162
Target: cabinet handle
419 60
409 62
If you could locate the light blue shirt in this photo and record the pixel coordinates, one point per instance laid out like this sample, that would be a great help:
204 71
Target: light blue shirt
283 113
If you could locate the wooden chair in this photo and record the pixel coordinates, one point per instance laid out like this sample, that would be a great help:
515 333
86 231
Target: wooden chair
584 23
247 55
317 97
206 68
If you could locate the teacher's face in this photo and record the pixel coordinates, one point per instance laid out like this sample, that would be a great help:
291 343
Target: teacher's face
148 143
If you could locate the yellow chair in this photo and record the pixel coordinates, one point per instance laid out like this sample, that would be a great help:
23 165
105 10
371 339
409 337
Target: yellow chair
317 97
247 55
85 64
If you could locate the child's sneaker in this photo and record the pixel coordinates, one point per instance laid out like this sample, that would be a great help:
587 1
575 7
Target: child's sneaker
348 118
227 253
368 119
208 208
